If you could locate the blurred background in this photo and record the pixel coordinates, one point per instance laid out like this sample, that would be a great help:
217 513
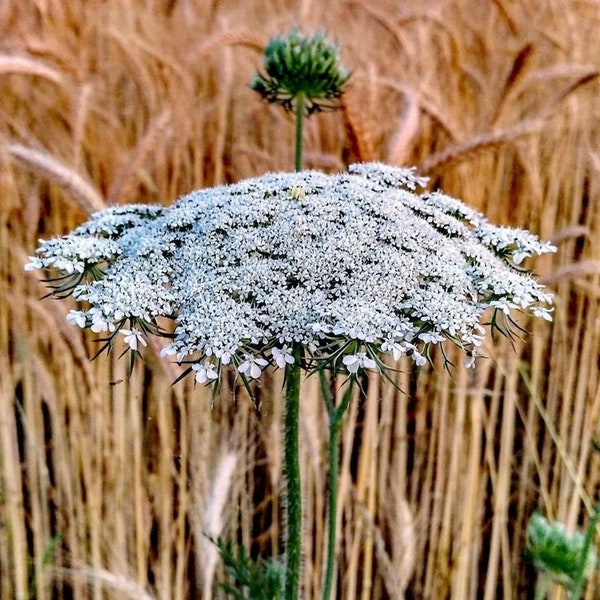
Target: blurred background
108 485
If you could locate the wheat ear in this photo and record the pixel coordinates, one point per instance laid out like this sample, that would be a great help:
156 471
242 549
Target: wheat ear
81 190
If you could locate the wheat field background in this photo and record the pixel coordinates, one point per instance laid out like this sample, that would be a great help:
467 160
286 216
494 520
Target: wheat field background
108 484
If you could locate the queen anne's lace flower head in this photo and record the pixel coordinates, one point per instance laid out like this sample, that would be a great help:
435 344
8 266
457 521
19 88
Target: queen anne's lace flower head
350 267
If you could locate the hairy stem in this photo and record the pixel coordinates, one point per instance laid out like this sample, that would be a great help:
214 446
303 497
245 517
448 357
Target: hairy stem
336 416
292 477
299 110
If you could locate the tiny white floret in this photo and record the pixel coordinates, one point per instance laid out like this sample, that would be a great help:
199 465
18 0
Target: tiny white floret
77 317
133 338
205 373
253 366
282 356
357 361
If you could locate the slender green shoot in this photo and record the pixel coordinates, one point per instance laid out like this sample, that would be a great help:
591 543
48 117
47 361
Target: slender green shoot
292 477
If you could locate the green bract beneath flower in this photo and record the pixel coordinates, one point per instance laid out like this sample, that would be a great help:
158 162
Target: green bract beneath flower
297 65
559 554
352 267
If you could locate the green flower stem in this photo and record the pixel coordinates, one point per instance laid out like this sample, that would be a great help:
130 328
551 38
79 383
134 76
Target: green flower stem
299 110
292 477
336 416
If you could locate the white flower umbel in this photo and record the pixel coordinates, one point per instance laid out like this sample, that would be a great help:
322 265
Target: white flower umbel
350 267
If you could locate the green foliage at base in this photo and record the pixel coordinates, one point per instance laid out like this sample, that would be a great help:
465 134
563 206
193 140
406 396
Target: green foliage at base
566 559
260 579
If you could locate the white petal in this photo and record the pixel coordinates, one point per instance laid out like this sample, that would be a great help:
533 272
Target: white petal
369 363
244 366
397 352
168 350
36 263
419 359
352 362
76 317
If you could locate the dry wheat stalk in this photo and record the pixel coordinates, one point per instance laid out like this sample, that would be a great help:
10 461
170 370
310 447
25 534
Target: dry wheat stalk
223 39
126 587
475 146
80 118
358 126
577 270
48 166
144 148
404 134
570 232
394 25
13 503
428 105
516 75
212 526
29 66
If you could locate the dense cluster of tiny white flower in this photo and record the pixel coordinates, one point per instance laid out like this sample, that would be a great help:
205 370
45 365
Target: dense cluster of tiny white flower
351 266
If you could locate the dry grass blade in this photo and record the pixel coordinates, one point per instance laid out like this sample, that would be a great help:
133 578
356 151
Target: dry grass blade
29 66
516 75
519 67
405 133
242 37
154 52
80 116
560 444
358 127
568 233
394 25
213 521
573 87
442 119
83 192
144 148
395 573
584 268
126 587
506 14
13 506
573 71
320 160
474 147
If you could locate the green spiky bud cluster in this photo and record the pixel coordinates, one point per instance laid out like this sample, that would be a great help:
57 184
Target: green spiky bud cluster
298 65
560 555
